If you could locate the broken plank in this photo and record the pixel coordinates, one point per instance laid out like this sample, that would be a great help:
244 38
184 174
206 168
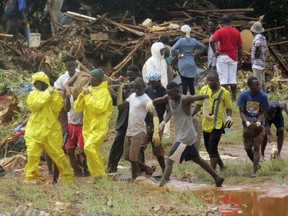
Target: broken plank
223 10
199 33
273 29
124 17
277 43
99 36
274 52
6 35
128 56
121 66
125 27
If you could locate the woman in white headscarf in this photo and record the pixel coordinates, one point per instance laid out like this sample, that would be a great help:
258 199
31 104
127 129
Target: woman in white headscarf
185 49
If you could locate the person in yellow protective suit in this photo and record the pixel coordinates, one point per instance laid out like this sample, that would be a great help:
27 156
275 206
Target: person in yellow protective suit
43 130
96 104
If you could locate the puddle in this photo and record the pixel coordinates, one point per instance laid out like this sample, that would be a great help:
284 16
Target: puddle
263 200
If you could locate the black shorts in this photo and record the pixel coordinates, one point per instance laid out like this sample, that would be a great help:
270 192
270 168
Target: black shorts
278 121
180 153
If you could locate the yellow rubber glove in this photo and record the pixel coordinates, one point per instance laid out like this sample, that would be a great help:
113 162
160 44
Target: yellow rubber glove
150 107
86 90
120 94
156 137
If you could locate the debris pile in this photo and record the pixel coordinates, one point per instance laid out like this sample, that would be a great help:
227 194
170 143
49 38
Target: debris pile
113 44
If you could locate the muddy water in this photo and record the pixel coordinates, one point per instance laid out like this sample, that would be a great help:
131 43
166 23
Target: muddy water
260 200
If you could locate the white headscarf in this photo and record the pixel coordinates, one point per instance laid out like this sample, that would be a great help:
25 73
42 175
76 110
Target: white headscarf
186 29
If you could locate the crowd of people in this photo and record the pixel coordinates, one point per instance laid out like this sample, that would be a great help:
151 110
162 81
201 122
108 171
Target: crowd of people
72 115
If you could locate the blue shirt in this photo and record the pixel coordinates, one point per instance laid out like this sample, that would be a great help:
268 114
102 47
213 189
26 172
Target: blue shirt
253 105
186 47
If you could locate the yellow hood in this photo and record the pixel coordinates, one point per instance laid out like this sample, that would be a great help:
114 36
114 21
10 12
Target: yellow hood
40 76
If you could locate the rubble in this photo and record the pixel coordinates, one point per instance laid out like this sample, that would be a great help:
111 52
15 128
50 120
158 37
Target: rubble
110 44
113 44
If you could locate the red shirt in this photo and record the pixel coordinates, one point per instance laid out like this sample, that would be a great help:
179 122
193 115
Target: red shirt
229 39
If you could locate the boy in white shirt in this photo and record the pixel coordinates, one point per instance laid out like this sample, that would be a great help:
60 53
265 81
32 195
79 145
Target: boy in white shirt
136 130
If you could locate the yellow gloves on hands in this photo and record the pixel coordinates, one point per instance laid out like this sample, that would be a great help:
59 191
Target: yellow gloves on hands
156 137
150 107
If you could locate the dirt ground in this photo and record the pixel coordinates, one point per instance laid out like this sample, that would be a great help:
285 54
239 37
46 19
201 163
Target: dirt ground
240 195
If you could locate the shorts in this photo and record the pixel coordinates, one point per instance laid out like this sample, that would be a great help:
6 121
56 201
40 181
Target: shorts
158 151
182 152
260 75
278 121
249 143
227 70
75 137
132 146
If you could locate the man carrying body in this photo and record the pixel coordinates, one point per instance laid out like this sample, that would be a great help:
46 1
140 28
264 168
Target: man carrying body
75 136
96 104
228 53
252 105
43 131
186 136
213 116
274 116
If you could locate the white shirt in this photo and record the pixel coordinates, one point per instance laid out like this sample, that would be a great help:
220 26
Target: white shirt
74 117
59 84
137 114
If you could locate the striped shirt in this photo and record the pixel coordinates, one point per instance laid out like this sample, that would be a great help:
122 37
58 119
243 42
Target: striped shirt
259 41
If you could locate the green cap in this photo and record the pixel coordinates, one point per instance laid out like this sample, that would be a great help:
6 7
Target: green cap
98 73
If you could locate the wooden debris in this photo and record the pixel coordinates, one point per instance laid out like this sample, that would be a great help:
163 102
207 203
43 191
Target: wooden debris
99 37
112 44
6 35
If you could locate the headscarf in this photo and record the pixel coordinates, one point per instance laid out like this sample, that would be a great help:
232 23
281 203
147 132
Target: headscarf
98 73
186 29
153 76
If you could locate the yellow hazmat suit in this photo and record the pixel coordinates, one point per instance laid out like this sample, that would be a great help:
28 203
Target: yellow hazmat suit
43 131
97 109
